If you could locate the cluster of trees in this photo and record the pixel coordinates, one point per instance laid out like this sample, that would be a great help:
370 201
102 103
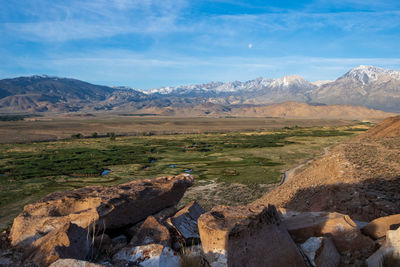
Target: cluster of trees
110 135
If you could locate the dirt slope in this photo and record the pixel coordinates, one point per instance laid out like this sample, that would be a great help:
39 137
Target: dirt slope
390 127
360 178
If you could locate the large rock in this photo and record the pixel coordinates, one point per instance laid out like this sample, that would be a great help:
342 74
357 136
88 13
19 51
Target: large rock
99 207
247 236
344 232
185 220
69 241
73 263
161 217
390 249
152 255
321 252
151 232
378 227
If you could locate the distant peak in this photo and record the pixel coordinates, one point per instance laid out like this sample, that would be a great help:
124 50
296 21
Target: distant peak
40 76
321 82
367 73
289 80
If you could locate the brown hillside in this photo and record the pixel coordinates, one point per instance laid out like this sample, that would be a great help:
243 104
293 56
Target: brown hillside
303 110
282 110
359 178
390 127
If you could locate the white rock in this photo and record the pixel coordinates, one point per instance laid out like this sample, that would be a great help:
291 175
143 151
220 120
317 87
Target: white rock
153 255
310 248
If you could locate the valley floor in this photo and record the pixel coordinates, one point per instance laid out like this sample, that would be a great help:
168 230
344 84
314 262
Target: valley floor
232 167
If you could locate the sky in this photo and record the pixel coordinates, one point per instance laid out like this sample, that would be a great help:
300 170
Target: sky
152 43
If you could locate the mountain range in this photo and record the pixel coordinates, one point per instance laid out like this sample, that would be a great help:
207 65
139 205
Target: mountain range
367 86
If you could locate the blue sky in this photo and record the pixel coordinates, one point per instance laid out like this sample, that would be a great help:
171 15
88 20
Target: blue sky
150 43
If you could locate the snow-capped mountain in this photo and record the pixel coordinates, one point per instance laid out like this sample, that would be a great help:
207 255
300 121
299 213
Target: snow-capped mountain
367 74
252 91
365 86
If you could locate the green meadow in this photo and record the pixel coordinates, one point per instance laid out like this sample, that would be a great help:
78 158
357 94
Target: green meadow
230 168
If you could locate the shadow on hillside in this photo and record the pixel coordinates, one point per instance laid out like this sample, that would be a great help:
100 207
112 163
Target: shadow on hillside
363 201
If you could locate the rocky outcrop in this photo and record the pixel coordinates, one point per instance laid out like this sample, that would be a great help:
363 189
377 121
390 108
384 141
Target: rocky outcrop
247 236
390 249
378 227
98 206
344 232
152 255
151 232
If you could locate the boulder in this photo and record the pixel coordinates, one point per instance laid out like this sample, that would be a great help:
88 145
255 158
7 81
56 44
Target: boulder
390 249
151 232
321 252
327 256
378 227
100 207
73 263
344 232
185 221
247 236
69 241
152 255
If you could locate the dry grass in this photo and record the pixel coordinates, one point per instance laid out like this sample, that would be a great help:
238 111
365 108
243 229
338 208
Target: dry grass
59 127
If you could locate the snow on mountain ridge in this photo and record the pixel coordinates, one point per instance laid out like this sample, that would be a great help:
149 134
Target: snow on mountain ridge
366 74
289 80
236 86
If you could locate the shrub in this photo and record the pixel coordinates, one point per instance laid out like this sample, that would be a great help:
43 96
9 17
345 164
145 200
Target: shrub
111 135
77 136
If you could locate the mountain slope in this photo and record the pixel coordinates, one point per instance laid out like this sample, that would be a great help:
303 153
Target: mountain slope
258 91
365 85
40 93
362 86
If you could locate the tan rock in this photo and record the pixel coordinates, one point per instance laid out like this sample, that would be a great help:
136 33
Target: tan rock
378 227
344 232
185 220
100 207
247 236
161 217
391 248
73 263
151 232
69 241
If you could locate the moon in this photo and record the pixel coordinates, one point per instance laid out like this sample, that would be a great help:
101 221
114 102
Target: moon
250 46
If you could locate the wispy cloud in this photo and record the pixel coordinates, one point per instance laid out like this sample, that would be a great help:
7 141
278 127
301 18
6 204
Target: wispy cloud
74 20
138 70
150 43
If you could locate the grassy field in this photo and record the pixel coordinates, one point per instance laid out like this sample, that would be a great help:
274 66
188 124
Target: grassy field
230 168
